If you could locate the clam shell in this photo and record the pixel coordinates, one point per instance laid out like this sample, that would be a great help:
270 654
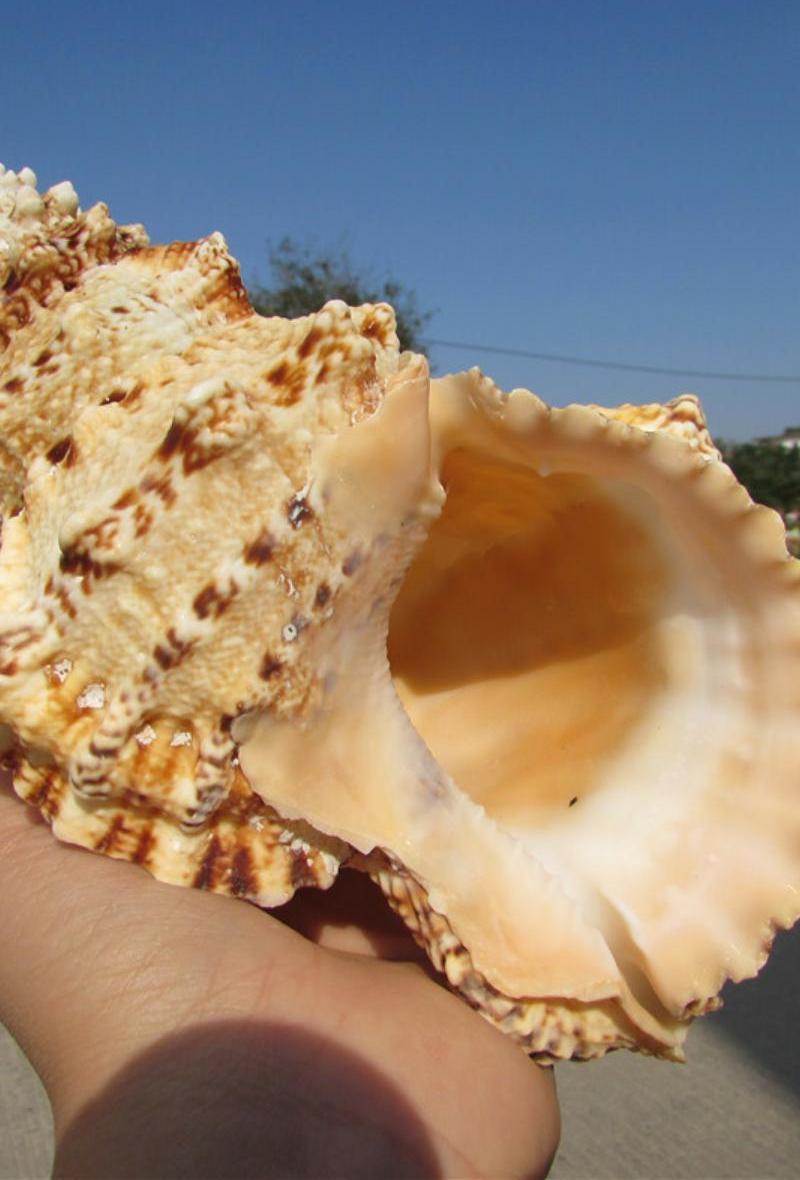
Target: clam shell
274 602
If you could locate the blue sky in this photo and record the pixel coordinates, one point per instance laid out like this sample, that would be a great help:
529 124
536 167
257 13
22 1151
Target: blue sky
604 180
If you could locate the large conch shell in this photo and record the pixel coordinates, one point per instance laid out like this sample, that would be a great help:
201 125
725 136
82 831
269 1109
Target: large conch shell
574 772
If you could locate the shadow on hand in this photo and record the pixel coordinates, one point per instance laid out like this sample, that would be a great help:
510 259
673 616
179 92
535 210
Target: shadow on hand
247 1099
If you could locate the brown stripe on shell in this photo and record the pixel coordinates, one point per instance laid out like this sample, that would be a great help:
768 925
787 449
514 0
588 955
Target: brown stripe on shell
196 458
270 666
62 595
288 382
309 343
164 657
106 843
181 439
162 486
172 440
143 520
56 791
41 794
144 846
213 601
133 395
243 878
260 550
376 326
233 294
63 449
126 500
208 874
78 562
173 651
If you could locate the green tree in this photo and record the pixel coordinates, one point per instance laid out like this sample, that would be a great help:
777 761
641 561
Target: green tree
303 280
771 474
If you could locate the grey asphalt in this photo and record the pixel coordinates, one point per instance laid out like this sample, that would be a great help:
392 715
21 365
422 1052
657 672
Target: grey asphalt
731 1113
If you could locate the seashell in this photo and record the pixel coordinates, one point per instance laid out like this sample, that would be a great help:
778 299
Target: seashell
275 602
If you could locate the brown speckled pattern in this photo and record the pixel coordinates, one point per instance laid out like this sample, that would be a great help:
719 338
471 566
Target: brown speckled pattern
151 421
243 850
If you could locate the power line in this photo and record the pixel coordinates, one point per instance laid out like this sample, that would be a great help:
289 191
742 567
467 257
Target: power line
598 364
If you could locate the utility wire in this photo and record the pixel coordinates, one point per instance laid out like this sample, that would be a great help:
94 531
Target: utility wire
597 364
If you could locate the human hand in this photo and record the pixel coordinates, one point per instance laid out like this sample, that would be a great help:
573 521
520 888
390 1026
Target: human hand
182 1034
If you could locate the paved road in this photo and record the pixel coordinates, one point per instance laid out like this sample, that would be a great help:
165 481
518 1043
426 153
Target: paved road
732 1113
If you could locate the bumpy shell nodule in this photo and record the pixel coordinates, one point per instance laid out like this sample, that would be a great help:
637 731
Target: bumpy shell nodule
272 601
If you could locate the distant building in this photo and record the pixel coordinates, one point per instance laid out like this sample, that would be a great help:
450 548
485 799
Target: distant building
788 440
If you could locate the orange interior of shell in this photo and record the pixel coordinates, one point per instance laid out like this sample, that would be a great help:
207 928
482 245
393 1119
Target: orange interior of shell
524 640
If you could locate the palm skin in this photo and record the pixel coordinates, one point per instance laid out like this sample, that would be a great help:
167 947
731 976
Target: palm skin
184 1034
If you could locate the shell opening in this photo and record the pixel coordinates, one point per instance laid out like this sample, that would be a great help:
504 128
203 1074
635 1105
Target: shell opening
534 646
524 643
587 653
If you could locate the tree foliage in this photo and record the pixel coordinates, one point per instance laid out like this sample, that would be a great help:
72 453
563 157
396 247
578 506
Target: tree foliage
770 473
303 280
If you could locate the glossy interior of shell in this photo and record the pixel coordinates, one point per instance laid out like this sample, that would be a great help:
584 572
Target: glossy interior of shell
273 602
